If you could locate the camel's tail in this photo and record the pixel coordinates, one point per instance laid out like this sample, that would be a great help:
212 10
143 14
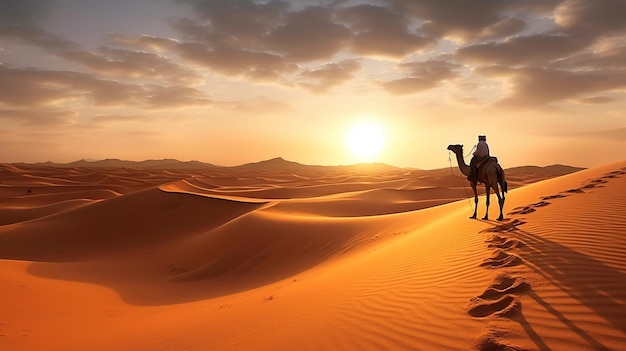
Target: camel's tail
502 180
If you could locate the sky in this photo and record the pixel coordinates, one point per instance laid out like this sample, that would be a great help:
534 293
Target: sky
237 81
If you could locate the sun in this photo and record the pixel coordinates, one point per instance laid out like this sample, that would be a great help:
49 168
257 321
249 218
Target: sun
365 141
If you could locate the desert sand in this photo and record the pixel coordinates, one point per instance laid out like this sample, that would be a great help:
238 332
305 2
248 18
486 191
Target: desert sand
348 259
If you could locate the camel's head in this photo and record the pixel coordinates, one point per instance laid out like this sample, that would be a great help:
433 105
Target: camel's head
456 148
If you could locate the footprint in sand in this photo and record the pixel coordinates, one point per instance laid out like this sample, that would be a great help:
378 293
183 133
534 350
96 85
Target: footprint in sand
501 260
614 174
540 204
504 285
592 183
507 244
506 227
490 342
530 208
522 210
575 190
498 299
556 196
496 239
507 306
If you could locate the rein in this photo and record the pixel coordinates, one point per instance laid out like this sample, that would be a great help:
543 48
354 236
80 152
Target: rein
470 152
462 178
450 161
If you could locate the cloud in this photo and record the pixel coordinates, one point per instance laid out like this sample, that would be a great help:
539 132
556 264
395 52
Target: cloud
421 76
533 87
409 85
158 97
275 41
27 88
606 54
37 37
309 35
457 19
260 105
107 119
258 41
113 62
379 31
143 42
233 61
39 118
24 12
597 17
127 64
506 27
237 20
328 76
246 27
266 41
617 134
527 50
595 100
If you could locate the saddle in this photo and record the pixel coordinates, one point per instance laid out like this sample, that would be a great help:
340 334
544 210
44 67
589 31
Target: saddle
486 160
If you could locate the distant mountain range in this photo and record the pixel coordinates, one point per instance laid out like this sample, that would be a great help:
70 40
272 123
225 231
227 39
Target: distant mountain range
117 163
279 163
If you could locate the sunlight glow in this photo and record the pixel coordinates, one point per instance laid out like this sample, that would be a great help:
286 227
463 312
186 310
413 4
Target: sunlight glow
365 141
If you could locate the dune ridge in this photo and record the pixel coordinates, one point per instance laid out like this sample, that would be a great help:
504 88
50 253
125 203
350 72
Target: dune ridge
264 260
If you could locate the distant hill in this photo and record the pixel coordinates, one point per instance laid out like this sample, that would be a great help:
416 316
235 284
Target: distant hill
518 176
273 164
117 163
277 163
551 171
367 167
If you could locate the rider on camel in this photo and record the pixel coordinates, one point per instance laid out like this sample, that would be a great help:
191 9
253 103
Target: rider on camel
481 153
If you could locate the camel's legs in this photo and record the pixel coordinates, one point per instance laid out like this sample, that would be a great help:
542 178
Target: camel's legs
475 199
487 196
500 200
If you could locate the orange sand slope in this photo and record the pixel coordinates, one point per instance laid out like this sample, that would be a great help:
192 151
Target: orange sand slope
132 259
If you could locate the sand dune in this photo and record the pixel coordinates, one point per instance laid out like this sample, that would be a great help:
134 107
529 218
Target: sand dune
309 259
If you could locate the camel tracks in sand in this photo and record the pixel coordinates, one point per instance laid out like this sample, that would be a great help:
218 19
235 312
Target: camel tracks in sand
504 285
589 184
556 196
522 210
615 174
507 306
514 251
505 227
501 260
501 298
530 208
490 342
506 244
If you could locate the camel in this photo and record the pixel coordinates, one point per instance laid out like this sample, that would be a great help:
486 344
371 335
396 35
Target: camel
490 174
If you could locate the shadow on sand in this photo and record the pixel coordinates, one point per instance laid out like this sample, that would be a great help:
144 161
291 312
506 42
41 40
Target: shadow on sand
569 270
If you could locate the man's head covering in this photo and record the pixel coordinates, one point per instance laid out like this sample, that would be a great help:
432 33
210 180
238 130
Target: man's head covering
482 137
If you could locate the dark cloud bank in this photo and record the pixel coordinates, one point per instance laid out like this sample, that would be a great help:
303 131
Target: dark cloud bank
320 45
